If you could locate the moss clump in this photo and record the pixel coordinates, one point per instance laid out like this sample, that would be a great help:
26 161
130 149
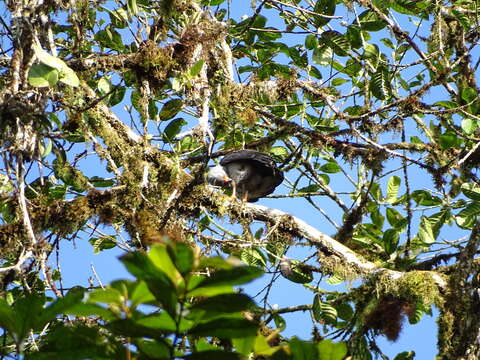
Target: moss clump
384 303
416 286
334 266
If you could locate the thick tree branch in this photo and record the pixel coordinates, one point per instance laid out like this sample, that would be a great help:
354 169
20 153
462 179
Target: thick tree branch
325 243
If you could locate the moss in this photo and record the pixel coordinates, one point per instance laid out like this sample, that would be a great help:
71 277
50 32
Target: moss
416 286
69 175
11 237
384 303
333 265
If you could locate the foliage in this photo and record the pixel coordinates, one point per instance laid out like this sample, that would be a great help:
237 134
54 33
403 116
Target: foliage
111 112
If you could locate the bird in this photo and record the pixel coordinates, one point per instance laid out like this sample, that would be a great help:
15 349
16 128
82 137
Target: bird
250 174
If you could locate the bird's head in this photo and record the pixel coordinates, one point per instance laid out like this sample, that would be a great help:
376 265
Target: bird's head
218 177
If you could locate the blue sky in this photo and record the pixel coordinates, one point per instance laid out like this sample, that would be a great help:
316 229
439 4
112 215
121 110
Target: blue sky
76 262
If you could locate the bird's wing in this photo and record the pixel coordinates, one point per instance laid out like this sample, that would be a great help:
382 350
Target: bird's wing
263 162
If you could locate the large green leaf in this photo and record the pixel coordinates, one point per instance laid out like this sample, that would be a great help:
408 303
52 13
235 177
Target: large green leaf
8 320
65 73
303 350
226 328
224 303
41 75
328 350
226 277
337 42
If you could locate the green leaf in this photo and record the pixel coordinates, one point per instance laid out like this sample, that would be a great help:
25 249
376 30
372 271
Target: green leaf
328 350
104 85
472 192
405 355
196 68
225 303
253 257
330 168
162 259
108 296
425 231
309 188
372 54
370 21
279 151
131 328
103 243
74 341
47 59
339 81
324 7
394 218
118 17
469 126
390 240
280 322
27 311
61 305
311 42
379 84
110 38
132 7
322 55
337 42
164 322
466 222
335 279
377 218
183 256
225 328
213 355
83 309
303 350
140 294
472 209
170 109
101 182
41 75
468 94
66 74
449 140
425 198
393 185
354 36
261 346
416 316
117 95
227 277
344 311
8 319
323 312
153 349
159 284
173 129
244 345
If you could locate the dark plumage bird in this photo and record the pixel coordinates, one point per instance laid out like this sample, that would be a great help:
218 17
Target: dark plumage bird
251 174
